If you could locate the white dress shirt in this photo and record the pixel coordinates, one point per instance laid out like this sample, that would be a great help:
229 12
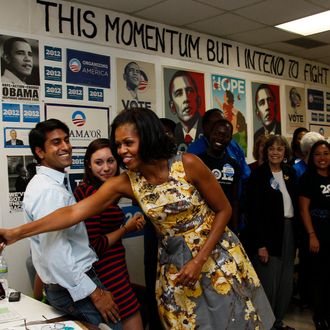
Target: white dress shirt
61 257
9 78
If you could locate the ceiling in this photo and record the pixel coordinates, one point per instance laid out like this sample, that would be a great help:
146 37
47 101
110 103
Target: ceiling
245 21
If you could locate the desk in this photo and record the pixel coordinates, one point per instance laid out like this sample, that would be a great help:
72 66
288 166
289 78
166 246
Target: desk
34 311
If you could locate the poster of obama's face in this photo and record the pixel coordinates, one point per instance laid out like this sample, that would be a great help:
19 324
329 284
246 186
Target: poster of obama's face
19 68
184 104
266 109
135 84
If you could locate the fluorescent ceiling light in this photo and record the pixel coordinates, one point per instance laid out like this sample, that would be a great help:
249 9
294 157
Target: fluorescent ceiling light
308 25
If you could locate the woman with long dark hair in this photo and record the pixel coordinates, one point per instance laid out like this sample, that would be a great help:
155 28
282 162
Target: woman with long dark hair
105 231
314 203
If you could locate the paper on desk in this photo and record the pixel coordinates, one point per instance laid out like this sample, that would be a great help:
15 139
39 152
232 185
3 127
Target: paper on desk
33 310
69 325
8 314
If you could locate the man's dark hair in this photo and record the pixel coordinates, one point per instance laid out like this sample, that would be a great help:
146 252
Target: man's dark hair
182 73
8 44
128 65
267 87
154 143
208 114
38 135
223 122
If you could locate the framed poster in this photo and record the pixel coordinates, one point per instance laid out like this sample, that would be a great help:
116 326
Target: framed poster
86 123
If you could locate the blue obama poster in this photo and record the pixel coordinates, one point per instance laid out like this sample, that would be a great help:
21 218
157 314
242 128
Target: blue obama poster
89 69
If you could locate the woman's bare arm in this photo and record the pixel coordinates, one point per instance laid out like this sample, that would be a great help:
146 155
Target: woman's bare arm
68 216
304 204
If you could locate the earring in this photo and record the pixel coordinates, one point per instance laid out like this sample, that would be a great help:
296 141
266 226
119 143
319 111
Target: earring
285 160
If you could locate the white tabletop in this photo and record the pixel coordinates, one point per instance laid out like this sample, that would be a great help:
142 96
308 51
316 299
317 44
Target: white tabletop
30 309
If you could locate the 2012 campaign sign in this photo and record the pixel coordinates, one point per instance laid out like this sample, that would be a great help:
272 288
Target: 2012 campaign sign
31 113
53 91
74 92
95 94
11 112
53 53
53 73
77 162
89 69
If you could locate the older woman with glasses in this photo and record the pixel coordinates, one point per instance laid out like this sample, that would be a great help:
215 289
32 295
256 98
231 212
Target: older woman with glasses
271 201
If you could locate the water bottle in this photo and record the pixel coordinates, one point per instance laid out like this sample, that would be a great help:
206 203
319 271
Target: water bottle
3 277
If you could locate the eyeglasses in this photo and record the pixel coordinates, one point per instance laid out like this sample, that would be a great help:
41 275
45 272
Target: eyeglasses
56 325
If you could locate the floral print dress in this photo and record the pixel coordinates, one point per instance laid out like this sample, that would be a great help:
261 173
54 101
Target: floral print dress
228 294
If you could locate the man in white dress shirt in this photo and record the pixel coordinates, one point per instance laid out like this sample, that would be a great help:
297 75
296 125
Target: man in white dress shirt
63 259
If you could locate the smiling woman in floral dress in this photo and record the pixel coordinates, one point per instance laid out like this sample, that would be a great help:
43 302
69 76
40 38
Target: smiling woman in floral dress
205 280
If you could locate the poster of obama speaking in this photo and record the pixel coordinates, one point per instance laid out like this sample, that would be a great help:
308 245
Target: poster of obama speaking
135 84
229 95
19 68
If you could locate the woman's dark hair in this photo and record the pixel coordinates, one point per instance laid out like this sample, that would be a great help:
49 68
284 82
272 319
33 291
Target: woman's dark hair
281 140
294 146
311 165
95 145
170 124
230 97
38 135
154 143
260 139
